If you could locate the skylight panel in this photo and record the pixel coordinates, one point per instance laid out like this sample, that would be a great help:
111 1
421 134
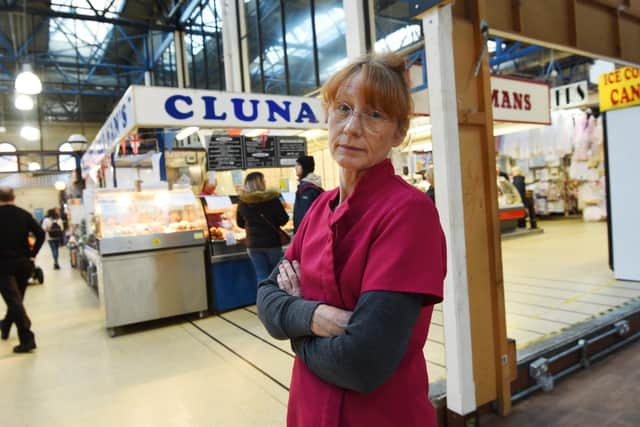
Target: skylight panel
84 38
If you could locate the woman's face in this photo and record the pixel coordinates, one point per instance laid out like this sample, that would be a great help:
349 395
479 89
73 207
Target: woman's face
360 136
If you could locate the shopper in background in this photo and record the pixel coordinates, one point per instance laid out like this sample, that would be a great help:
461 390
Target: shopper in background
261 213
356 289
54 227
308 190
431 191
74 190
518 181
16 266
209 187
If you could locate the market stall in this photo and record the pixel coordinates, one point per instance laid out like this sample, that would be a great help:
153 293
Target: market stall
151 247
180 138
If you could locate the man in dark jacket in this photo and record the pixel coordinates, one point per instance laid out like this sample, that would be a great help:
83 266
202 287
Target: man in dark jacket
308 189
16 265
518 181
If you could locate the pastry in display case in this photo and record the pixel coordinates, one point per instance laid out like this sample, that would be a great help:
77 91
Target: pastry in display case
508 195
120 213
224 234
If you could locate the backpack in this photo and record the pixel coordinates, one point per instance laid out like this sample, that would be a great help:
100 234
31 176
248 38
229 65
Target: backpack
55 231
306 186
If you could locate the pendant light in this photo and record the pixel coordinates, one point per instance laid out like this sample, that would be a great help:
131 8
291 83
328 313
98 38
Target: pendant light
30 133
27 82
23 102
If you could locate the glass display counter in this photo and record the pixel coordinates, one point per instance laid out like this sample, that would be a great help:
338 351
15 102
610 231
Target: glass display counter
151 246
510 206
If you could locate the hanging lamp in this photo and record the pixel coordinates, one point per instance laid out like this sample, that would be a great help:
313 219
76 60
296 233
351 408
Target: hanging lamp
28 82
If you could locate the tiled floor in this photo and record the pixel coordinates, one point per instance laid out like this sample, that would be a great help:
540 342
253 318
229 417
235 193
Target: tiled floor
225 370
171 375
558 279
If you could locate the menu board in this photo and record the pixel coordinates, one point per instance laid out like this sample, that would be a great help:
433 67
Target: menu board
290 148
260 152
224 153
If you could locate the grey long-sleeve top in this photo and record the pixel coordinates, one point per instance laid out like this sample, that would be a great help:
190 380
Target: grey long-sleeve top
382 324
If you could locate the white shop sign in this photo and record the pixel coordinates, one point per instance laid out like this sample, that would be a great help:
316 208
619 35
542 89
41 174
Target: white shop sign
170 107
118 125
513 100
520 101
150 107
569 96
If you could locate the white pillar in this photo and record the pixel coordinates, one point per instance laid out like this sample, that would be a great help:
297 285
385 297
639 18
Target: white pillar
354 28
438 35
243 49
372 21
231 47
181 66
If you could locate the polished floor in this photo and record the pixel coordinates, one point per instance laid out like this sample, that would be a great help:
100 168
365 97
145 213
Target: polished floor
558 279
225 370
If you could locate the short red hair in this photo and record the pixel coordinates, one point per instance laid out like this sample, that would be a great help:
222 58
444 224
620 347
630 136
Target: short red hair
386 86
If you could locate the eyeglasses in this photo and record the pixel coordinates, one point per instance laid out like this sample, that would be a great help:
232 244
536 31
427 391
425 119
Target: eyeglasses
373 121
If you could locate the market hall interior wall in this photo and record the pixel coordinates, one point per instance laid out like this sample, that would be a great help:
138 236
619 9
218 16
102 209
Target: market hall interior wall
53 134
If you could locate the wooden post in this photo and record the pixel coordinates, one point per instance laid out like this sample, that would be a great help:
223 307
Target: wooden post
478 362
438 28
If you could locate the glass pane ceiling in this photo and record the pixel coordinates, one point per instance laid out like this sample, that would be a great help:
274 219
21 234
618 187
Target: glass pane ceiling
86 39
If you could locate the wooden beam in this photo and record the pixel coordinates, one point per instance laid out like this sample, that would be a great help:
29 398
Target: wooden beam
517 16
594 28
501 359
573 32
619 34
468 187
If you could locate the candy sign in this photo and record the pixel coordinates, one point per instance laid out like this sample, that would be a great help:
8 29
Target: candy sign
619 89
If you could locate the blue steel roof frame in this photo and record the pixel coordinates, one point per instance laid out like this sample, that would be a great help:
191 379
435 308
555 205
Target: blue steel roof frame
12 6
69 67
406 22
419 56
512 53
4 42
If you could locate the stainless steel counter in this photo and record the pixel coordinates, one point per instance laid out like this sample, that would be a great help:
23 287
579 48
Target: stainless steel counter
151 285
128 244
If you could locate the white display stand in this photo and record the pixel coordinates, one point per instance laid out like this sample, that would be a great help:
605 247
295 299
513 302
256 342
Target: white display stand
623 150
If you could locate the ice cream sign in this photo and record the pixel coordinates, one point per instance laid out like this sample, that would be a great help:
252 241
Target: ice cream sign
619 88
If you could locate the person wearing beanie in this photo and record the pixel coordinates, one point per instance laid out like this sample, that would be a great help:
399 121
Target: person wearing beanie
308 189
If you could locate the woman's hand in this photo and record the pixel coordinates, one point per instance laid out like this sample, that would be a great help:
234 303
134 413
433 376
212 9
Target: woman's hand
289 277
329 321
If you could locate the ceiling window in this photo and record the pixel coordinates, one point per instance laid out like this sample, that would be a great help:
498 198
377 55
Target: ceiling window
395 28
86 39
